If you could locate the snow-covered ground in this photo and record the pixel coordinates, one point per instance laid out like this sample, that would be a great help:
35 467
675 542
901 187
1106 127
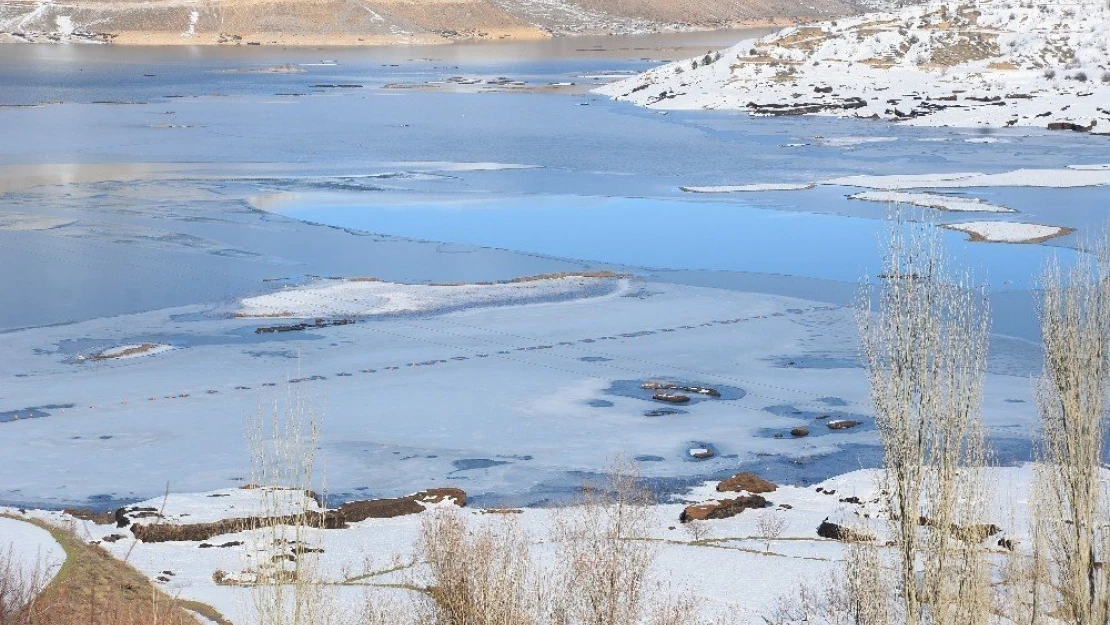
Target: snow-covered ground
1009 231
735 566
32 554
975 63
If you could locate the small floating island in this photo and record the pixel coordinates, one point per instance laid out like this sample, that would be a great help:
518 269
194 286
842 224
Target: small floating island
124 352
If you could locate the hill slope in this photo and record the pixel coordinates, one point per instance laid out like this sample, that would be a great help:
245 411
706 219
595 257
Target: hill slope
381 21
971 63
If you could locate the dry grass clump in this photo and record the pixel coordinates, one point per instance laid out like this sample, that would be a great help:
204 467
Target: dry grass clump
595 569
482 576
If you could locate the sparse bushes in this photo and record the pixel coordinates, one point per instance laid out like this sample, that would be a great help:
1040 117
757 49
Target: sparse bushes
1050 73
484 572
1106 77
603 560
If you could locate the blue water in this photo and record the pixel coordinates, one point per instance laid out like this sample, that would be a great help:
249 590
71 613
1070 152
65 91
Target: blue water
664 233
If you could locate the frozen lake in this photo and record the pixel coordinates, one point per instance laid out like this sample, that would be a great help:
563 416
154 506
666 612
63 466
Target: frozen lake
145 192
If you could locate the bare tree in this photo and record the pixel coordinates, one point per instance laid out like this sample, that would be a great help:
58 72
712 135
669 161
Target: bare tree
1071 398
281 566
925 347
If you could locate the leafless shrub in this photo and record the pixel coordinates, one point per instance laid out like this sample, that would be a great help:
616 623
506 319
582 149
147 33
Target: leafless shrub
682 610
770 524
603 558
18 586
697 530
925 347
1071 398
482 576
857 594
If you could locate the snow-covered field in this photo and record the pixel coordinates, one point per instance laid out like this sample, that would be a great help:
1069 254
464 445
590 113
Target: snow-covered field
975 63
732 566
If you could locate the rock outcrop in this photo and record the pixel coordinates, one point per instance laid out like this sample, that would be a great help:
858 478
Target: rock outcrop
746 482
722 509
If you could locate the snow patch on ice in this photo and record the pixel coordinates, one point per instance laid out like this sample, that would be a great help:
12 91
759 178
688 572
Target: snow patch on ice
365 298
933 200
1009 231
127 352
1051 178
744 188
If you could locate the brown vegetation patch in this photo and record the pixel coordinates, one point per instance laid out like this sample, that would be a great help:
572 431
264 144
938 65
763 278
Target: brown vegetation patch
196 532
749 482
723 509
356 511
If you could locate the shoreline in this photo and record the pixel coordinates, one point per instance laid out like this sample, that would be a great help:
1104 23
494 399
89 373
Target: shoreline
354 40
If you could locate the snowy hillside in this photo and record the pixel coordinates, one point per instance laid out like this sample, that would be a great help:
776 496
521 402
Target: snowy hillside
979 63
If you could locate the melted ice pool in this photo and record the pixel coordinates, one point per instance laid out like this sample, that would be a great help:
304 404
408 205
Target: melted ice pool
661 233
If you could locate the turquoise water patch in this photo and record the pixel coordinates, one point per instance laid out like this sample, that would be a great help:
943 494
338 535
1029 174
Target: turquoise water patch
661 233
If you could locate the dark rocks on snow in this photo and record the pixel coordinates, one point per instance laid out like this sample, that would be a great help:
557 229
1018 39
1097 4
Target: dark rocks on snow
834 531
1071 126
671 398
